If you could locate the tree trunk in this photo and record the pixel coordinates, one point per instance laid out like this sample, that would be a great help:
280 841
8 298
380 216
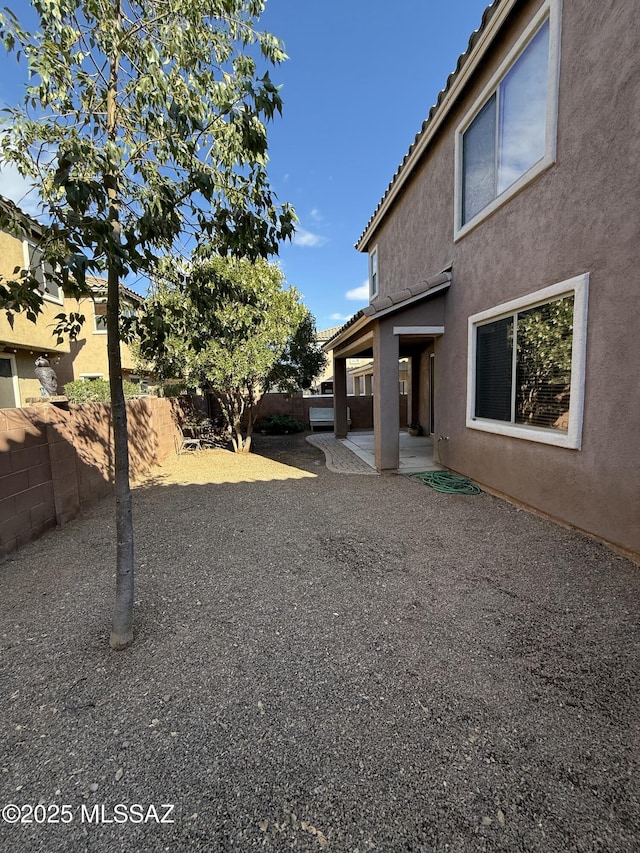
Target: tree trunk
122 623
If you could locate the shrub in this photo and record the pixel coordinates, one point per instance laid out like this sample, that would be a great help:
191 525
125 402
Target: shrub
280 425
96 390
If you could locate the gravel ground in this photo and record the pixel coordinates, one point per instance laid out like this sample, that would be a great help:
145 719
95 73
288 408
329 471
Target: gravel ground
321 661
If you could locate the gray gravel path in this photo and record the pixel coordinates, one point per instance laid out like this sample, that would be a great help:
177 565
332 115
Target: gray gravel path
321 662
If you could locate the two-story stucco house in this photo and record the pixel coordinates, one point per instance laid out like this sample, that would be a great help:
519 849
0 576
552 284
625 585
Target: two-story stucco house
503 264
22 343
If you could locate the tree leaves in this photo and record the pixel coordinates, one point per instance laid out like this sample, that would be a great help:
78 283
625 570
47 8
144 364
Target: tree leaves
230 326
190 148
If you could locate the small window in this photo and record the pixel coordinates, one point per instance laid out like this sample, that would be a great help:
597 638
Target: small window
509 136
526 366
99 314
43 272
373 273
9 387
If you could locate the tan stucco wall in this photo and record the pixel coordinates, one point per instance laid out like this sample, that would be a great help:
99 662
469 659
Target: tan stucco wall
579 216
37 336
89 351
26 340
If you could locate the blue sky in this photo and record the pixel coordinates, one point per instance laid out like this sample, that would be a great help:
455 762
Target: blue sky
361 78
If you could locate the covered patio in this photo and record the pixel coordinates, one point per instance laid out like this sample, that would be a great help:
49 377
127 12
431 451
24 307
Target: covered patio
388 330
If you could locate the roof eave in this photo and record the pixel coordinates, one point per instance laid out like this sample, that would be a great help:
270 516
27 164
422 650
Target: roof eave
493 18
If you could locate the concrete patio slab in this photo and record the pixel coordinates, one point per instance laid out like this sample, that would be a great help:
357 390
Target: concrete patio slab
416 452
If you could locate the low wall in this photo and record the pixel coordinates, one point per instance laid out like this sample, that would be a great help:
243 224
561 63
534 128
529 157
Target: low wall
297 406
55 462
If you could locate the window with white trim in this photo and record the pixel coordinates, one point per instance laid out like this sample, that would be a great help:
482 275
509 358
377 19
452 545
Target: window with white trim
127 309
509 136
33 261
526 366
373 273
9 387
100 314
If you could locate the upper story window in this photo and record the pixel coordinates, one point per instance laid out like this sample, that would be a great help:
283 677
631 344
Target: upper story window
509 136
127 309
373 273
527 365
43 272
99 314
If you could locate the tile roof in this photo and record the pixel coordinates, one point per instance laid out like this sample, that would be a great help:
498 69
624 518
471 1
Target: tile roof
99 284
326 334
339 329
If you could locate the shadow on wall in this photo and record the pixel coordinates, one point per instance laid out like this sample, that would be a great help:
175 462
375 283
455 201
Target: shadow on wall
54 462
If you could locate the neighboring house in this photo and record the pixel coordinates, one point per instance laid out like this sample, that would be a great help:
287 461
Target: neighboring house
360 376
323 383
20 346
503 265
89 351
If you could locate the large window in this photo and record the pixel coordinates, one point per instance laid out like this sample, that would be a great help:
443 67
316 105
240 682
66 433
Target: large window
33 261
526 366
509 136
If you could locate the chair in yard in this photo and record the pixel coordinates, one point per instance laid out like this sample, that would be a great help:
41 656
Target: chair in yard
184 443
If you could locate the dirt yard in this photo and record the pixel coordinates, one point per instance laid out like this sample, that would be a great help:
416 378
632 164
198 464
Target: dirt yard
349 663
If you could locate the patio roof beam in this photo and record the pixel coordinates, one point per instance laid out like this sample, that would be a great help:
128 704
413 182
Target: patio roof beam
431 331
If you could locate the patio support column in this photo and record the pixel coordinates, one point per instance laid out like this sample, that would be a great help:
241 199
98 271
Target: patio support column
340 397
368 384
413 403
386 414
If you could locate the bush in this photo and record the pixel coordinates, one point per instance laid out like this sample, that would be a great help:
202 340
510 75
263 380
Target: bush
96 390
280 425
174 389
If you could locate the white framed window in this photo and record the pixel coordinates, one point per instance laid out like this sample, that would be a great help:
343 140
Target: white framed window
100 315
51 291
509 135
89 377
526 365
9 385
373 273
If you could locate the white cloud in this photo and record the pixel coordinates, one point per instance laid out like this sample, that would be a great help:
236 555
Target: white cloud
307 239
342 318
316 215
18 189
359 294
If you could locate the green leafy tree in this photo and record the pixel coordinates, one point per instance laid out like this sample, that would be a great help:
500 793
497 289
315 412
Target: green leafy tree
233 328
301 361
545 343
142 119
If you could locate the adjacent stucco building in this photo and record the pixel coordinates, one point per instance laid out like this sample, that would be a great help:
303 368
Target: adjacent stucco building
22 342
503 264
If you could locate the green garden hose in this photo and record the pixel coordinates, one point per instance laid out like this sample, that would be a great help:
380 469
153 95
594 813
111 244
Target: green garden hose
450 484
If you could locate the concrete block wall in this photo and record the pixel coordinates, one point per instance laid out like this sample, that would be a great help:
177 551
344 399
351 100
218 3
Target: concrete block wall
56 462
27 499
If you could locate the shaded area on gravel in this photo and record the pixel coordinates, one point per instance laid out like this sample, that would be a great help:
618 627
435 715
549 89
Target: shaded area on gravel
323 662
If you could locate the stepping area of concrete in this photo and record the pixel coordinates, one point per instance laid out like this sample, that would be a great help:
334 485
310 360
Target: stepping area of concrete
416 452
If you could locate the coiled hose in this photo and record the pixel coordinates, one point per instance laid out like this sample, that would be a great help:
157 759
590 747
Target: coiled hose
450 484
